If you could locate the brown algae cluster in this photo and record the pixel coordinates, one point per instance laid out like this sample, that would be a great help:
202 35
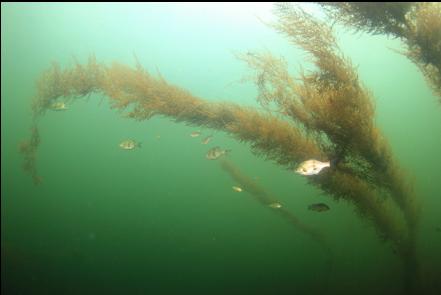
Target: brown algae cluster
417 24
324 114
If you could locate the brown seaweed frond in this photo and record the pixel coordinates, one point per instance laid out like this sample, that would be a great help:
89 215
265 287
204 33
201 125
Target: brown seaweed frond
67 84
328 102
423 40
417 24
277 88
373 17
145 96
333 115
137 94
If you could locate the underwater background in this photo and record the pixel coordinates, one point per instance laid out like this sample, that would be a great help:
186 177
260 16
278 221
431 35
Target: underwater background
162 219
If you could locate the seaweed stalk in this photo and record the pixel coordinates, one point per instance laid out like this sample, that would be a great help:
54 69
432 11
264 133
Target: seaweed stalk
265 198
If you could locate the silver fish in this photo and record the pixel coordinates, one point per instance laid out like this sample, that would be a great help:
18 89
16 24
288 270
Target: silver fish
129 144
207 139
215 153
237 189
275 205
319 207
195 133
59 106
312 167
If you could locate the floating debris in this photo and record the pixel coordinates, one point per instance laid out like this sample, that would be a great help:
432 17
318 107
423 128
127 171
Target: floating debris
311 167
59 106
129 144
237 189
215 153
319 207
195 133
207 139
275 205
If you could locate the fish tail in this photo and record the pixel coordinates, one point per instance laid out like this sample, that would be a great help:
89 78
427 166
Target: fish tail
334 162
337 158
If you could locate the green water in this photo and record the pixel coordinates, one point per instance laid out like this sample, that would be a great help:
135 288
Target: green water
162 219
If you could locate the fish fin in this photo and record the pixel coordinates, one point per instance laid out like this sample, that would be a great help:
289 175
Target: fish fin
139 144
